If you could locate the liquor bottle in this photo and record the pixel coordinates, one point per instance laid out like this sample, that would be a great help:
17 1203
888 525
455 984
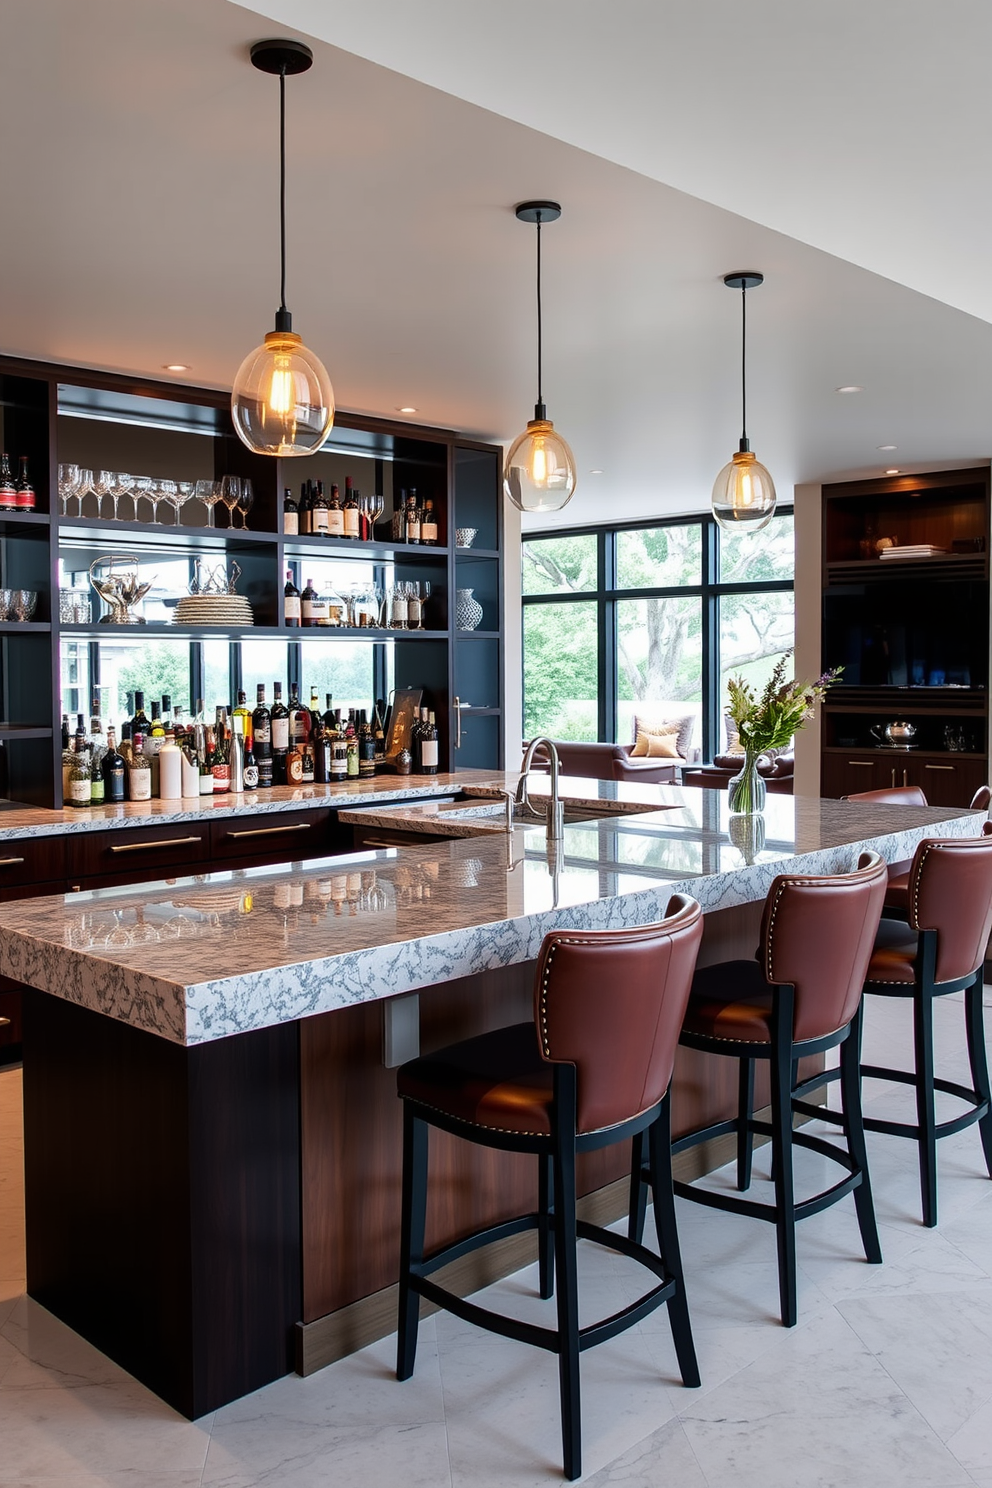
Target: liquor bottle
139 723
320 516
129 708
329 719
309 764
166 712
428 524
96 739
379 730
179 728
398 528
428 748
241 717
280 736
335 514
79 777
304 510
364 524
250 771
290 514
80 736
313 606
412 517
112 766
220 764
292 609
261 731
315 717
321 742
351 510
156 730
366 747
351 747
139 779
126 747
294 765
25 490
65 731
8 487
299 718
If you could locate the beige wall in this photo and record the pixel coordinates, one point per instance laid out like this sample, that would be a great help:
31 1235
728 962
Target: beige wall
807 522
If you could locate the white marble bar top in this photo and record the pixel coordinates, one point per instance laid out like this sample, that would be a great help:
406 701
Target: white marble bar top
203 958
36 821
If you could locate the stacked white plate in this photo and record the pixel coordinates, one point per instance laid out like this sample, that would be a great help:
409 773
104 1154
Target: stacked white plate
213 609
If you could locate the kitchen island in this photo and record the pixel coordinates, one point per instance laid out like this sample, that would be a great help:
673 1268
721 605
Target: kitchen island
211 1129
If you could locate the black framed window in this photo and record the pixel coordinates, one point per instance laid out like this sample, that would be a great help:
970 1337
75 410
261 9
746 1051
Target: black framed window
650 618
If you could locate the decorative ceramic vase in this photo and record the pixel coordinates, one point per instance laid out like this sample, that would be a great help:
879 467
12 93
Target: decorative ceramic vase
746 791
468 611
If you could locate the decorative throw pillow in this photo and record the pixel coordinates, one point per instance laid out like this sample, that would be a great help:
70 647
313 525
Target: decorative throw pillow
656 724
661 745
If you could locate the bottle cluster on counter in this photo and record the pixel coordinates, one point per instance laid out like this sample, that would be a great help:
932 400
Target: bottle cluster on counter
243 749
15 495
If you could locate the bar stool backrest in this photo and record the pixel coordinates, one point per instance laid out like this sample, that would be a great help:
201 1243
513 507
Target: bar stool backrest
612 1002
950 891
894 795
817 933
981 799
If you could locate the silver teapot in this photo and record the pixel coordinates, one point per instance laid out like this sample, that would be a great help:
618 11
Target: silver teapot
897 735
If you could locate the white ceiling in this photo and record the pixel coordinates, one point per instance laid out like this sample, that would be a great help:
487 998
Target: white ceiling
140 218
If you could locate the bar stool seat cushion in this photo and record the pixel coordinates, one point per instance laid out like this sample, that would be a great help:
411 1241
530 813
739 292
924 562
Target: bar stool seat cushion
730 1001
897 893
497 1080
894 956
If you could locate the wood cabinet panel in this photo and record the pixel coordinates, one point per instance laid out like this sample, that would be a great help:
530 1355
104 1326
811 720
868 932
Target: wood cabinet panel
141 852
268 837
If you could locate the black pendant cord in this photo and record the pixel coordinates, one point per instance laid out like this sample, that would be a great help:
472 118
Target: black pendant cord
744 444
539 411
284 321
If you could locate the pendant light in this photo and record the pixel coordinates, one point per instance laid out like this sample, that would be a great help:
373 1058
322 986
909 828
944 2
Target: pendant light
282 402
540 468
743 492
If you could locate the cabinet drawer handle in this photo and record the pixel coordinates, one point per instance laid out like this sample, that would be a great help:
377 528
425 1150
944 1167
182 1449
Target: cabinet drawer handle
862 764
147 846
271 831
9 862
940 767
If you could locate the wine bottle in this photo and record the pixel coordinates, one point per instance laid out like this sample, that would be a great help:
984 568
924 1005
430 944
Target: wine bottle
412 517
320 513
292 609
428 524
339 751
398 528
309 764
97 742
25 490
429 748
261 730
139 723
251 772
220 764
112 766
366 747
335 514
315 718
290 514
351 525
314 607
280 736
321 744
139 780
299 718
304 509
79 777
8 487
379 730
80 736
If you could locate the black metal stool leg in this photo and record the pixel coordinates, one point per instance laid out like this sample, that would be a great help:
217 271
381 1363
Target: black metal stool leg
638 1202
413 1218
745 1108
975 1029
785 1219
660 1144
568 1304
545 1233
854 1131
926 1119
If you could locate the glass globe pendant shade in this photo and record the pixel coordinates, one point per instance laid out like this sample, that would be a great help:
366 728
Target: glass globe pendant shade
282 402
539 475
743 494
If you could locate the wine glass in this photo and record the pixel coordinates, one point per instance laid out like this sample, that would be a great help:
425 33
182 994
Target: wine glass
123 486
103 486
374 508
230 494
68 481
246 500
160 491
182 491
141 487
208 491
83 488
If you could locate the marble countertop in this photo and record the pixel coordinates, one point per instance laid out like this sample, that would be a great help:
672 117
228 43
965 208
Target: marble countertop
36 821
202 958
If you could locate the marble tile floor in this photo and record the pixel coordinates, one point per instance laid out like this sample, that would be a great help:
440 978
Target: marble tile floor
886 1381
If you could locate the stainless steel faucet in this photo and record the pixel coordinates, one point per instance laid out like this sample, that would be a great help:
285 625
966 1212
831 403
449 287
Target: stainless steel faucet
554 816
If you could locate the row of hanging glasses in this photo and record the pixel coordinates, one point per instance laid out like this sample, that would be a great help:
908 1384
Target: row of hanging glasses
76 483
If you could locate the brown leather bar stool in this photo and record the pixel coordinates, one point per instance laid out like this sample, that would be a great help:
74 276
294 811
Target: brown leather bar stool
801 995
897 896
593 1068
940 950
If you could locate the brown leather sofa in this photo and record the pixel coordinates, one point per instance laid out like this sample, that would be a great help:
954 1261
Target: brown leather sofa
612 762
777 773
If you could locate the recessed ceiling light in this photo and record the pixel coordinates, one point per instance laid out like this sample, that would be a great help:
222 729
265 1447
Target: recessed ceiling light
892 472
406 410
885 446
176 367
850 387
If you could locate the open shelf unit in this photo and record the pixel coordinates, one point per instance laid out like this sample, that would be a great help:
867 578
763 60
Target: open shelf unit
912 634
104 422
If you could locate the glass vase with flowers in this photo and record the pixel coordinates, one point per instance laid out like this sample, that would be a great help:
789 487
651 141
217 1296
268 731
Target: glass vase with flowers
769 720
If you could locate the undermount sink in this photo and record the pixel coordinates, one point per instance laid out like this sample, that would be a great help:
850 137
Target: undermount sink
575 811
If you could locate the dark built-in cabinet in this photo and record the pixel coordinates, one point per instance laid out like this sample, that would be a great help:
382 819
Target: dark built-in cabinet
911 633
52 662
